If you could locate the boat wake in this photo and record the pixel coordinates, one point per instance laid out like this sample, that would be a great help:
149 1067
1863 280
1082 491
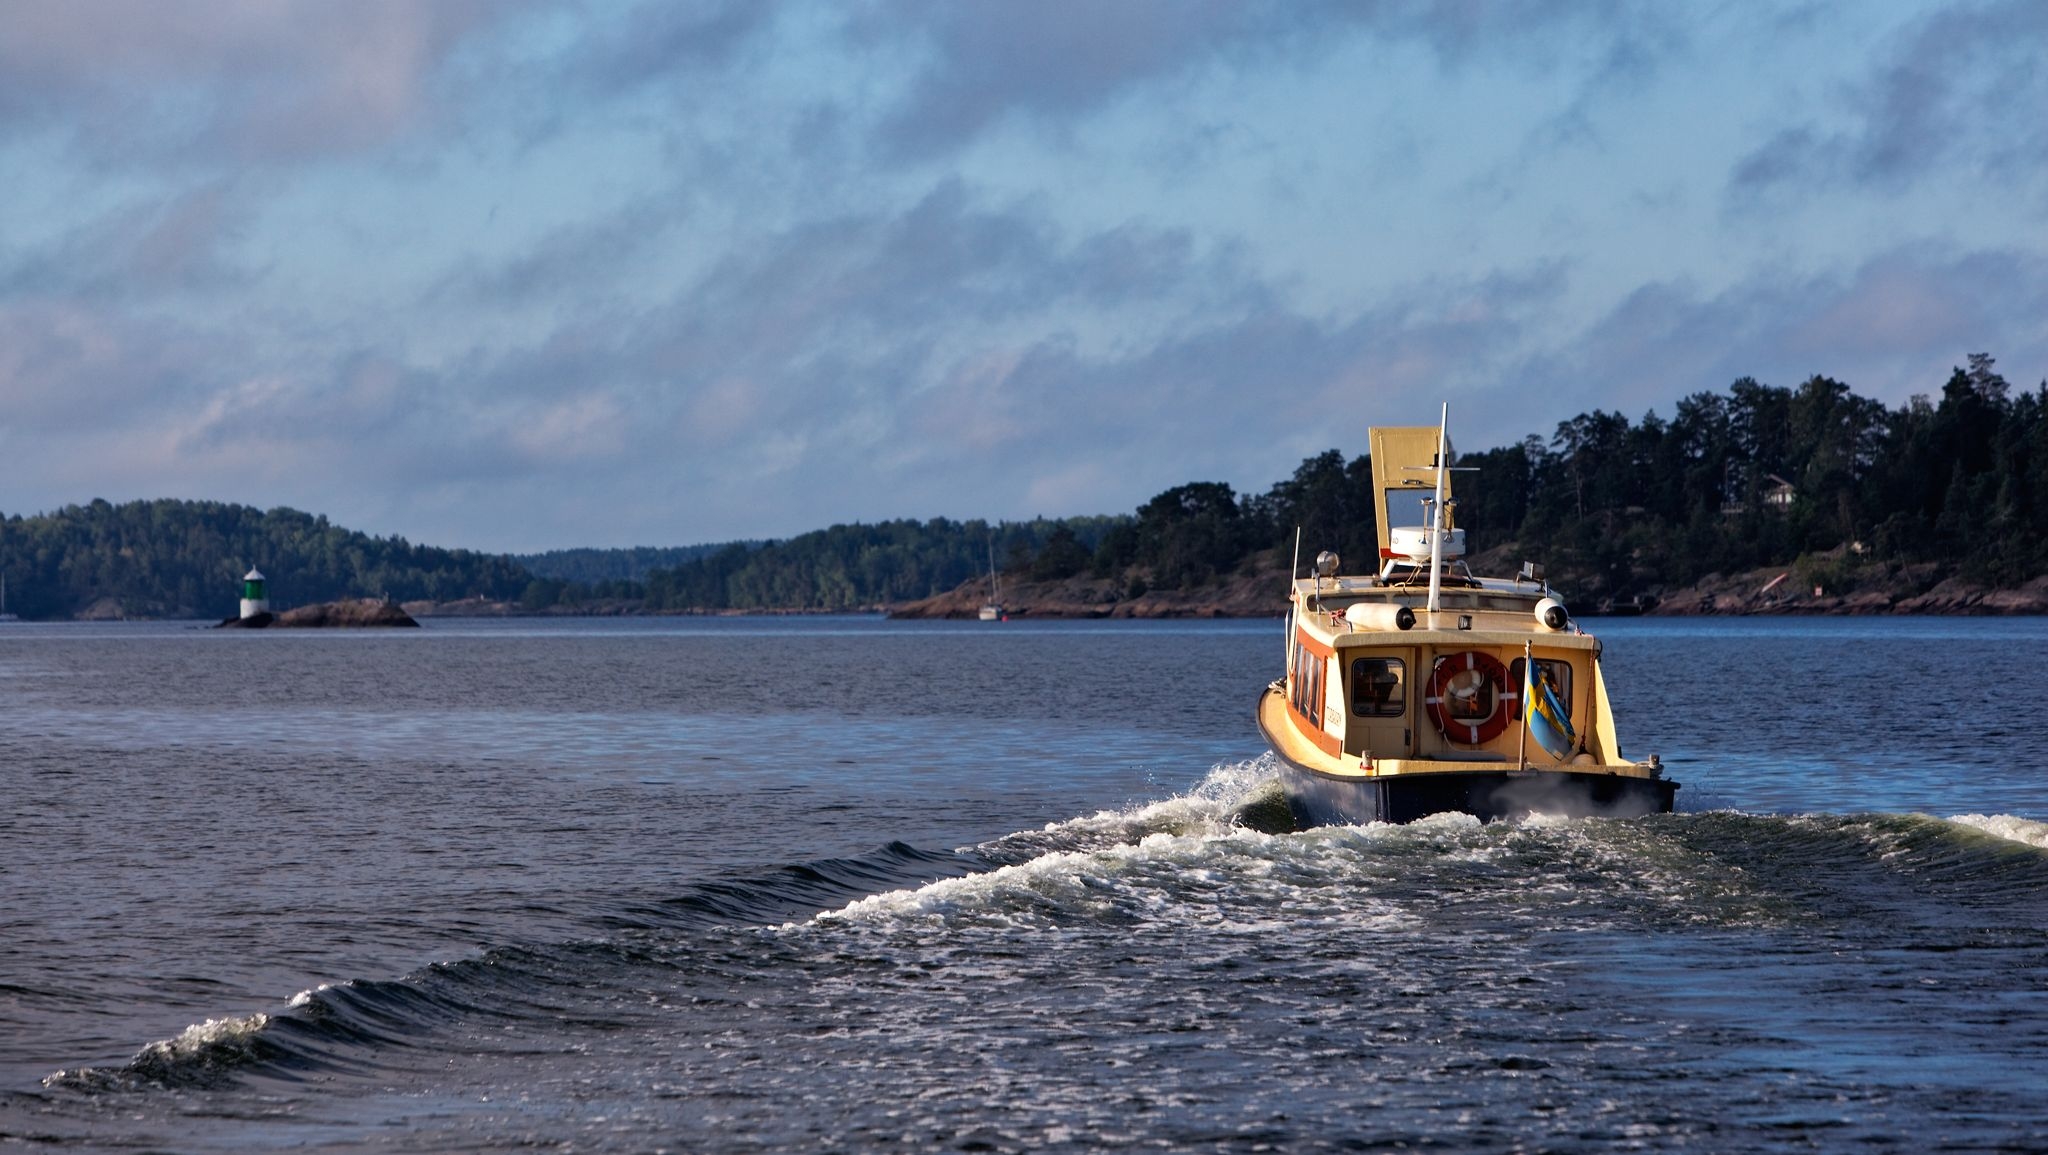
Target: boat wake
1194 877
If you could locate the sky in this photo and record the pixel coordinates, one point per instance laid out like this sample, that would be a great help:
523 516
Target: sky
521 276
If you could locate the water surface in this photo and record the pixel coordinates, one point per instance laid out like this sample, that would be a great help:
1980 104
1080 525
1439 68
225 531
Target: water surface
756 884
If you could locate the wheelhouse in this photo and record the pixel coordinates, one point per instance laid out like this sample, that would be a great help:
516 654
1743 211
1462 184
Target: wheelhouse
1451 694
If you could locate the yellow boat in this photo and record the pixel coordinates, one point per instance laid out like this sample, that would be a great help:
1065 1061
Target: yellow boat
1406 687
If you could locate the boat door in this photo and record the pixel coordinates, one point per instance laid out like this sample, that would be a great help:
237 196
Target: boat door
1382 691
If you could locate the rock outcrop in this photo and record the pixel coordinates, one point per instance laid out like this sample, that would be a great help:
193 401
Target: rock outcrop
1904 591
1260 594
355 613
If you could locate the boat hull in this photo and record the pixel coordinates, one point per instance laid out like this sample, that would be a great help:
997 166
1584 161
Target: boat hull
1318 799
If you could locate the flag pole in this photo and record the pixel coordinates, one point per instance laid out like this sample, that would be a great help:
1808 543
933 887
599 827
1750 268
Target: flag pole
1528 677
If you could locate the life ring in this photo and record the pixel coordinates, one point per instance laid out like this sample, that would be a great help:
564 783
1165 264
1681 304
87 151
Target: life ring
1454 695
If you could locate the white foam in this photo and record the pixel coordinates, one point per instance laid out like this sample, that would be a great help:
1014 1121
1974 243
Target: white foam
211 1033
196 1044
1208 807
2023 830
1186 860
1061 880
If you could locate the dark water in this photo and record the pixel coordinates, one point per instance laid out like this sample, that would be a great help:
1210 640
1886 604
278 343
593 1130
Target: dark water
851 884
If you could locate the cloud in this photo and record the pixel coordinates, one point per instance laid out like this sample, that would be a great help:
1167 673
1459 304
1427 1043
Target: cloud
1888 327
662 42
1054 62
143 249
912 362
1053 59
237 79
1959 90
920 363
762 267
65 368
578 261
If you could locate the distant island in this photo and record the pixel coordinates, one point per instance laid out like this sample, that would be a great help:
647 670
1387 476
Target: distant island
1759 499
352 613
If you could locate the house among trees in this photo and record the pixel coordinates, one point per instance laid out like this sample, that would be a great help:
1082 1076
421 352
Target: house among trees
1779 493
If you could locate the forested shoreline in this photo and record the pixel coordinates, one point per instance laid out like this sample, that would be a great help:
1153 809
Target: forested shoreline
1840 489
185 559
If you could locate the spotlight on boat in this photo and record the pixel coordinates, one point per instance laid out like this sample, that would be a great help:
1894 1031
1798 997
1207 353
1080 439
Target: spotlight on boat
1551 613
1326 564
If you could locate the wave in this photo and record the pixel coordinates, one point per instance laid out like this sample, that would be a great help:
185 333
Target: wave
2025 831
787 891
200 1056
1231 796
1189 864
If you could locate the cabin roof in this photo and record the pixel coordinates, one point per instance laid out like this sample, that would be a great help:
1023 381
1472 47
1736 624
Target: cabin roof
1490 629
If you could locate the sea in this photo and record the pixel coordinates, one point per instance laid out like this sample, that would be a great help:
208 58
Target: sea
854 884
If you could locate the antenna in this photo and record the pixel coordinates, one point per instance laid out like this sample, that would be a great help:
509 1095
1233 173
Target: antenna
1436 519
1292 571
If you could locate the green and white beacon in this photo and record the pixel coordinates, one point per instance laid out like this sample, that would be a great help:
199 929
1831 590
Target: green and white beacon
254 599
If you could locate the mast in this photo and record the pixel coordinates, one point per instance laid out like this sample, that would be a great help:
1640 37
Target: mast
1436 533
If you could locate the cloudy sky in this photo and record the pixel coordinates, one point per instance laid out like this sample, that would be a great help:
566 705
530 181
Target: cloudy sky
518 276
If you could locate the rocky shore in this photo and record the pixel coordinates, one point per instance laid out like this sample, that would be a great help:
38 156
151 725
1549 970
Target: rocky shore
1907 592
1262 594
1902 590
1258 595
356 613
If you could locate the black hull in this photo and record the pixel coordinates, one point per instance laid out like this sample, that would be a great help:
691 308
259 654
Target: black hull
1326 800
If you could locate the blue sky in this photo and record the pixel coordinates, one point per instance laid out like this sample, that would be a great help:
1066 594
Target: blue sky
519 276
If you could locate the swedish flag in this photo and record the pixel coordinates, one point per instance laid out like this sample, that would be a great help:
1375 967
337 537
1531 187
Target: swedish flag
1549 723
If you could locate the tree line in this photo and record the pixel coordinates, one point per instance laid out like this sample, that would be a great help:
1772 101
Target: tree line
1756 475
847 567
1751 476
1762 476
185 559
592 566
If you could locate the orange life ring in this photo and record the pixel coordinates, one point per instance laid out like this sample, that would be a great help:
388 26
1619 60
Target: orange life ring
1454 695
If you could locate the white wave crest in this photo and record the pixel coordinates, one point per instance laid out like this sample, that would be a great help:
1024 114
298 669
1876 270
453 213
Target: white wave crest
213 1043
1210 806
310 998
1061 881
2007 826
209 1034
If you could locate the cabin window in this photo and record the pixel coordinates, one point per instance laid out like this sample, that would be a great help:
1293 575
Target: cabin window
1308 685
1379 687
1560 675
1405 509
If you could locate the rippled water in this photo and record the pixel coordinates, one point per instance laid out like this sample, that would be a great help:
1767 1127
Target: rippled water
768 884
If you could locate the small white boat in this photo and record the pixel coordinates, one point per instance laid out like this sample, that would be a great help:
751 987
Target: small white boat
992 611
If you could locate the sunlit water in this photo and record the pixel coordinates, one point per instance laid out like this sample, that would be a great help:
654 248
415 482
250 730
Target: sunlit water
771 884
